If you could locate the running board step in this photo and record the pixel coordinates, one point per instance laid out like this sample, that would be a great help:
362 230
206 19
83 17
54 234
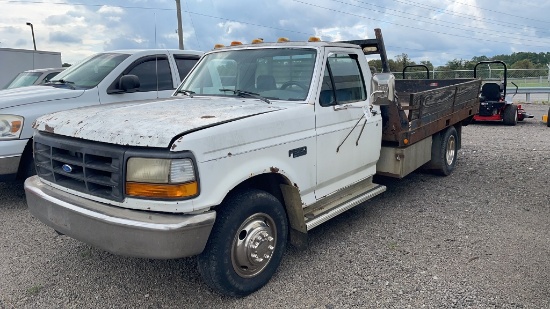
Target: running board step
339 202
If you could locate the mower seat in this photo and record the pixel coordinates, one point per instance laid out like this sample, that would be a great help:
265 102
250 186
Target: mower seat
490 92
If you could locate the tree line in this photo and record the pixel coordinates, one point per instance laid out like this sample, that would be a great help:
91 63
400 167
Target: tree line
519 60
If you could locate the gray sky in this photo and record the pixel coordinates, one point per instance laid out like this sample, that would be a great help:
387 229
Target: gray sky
437 31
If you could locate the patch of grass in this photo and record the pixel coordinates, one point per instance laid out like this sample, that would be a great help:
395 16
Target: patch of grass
392 245
86 254
34 289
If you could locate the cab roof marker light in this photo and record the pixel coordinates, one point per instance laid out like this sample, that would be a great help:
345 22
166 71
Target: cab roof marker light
218 46
235 43
283 40
257 41
369 49
314 39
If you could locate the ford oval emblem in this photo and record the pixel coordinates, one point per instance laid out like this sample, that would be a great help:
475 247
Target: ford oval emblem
67 168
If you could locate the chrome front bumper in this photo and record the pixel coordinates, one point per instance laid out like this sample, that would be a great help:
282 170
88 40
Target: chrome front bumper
118 230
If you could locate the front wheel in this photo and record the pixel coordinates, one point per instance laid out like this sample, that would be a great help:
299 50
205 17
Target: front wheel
510 115
246 244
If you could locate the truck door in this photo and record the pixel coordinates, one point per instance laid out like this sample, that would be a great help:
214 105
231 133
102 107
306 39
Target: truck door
155 77
348 142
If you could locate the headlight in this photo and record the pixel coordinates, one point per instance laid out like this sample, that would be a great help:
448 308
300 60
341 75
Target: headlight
10 126
161 178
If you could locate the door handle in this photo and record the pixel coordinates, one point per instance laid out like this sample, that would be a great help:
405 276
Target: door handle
341 107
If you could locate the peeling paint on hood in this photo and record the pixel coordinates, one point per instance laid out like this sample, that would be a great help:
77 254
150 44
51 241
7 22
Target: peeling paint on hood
149 123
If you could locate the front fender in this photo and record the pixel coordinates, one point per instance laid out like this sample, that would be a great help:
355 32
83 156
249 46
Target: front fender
219 177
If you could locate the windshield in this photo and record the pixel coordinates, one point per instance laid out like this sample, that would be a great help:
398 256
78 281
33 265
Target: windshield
23 79
272 73
89 72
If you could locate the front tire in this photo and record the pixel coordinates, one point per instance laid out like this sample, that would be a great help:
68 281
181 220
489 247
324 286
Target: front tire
510 115
27 167
246 244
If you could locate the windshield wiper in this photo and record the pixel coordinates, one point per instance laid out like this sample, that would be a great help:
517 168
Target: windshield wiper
244 93
64 82
186 92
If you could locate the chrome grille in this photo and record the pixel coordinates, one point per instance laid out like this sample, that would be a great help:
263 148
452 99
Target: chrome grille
88 167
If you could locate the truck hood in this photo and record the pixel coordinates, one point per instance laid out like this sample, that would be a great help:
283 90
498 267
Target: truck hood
149 123
35 94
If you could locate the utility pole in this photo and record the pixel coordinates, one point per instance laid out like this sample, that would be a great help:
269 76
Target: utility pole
180 30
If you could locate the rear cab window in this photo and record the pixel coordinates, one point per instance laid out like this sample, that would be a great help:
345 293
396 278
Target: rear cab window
185 64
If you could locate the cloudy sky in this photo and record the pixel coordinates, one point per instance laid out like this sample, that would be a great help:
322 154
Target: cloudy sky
434 30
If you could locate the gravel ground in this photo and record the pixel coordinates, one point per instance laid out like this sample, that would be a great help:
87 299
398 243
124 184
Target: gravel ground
479 238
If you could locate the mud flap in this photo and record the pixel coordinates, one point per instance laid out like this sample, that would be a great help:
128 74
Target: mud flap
295 213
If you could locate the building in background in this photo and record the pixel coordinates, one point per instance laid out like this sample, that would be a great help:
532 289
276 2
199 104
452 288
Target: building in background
15 61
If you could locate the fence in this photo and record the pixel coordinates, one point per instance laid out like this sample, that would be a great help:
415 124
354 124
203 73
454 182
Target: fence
522 77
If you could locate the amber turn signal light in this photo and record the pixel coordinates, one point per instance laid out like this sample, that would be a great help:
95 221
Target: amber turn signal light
156 190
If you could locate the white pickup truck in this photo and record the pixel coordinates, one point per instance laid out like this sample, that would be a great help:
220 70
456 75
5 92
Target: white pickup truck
262 143
106 77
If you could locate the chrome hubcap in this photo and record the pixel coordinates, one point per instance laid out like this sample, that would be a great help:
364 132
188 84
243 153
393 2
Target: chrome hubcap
253 245
450 153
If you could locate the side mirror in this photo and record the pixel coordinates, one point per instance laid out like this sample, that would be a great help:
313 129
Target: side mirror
383 89
128 83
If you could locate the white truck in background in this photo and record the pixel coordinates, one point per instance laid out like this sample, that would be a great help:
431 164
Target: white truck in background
260 144
33 77
14 61
107 77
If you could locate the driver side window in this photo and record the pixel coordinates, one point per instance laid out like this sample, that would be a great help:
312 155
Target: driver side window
342 82
154 74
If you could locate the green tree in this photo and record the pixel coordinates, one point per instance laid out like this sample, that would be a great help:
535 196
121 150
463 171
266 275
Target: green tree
523 64
455 64
428 64
375 65
402 61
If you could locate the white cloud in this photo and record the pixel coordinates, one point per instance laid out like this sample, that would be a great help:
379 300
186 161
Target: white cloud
229 27
439 30
106 9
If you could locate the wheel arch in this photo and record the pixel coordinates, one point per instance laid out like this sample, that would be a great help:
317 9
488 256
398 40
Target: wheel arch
26 155
288 195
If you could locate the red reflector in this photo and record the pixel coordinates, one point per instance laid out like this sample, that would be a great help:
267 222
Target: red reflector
434 84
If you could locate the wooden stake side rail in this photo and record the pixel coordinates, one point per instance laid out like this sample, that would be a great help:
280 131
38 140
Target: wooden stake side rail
429 111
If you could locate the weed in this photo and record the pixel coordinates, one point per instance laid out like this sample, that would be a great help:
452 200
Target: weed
34 290
392 245
86 254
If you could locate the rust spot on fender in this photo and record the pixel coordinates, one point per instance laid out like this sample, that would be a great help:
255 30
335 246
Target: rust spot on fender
208 116
296 185
49 129
173 146
274 169
229 154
